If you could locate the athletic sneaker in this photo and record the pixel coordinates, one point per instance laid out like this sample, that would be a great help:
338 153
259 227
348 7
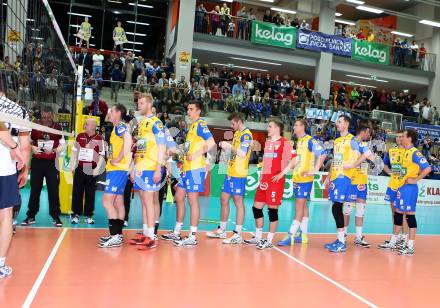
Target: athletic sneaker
286 241
387 246
147 244
361 242
137 240
264 244
57 222
14 227
125 223
253 241
234 239
5 271
171 237
106 238
330 245
406 251
187 241
114 241
219 233
155 237
28 221
74 219
338 247
89 220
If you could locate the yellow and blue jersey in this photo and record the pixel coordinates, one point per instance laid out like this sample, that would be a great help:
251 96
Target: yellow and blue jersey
195 142
238 166
413 161
360 174
150 135
307 150
344 152
115 148
393 159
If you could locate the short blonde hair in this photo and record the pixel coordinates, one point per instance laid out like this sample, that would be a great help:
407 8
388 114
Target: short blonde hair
148 96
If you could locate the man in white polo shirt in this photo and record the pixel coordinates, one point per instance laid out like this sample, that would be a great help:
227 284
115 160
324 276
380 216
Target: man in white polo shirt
12 157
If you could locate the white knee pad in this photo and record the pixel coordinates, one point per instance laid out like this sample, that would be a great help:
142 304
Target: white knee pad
347 208
360 209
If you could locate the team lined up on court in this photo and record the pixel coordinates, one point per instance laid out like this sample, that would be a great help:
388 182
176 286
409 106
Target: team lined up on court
347 180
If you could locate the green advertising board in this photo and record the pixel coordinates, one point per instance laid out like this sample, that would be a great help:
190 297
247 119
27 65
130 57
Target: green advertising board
273 35
218 174
370 52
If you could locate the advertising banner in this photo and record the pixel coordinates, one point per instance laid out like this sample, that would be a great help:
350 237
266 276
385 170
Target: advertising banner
424 130
370 52
322 42
273 35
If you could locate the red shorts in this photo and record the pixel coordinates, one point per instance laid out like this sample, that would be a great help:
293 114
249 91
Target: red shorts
270 193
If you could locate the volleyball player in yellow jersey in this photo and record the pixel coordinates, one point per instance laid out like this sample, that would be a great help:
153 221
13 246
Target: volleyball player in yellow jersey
344 149
414 167
310 156
392 166
149 157
84 32
359 188
235 181
117 168
119 37
199 141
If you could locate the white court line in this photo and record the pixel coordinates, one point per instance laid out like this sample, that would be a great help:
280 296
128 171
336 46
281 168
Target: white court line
335 283
40 278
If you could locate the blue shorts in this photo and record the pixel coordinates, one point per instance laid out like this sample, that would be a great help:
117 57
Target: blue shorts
391 196
406 199
144 181
302 190
193 180
9 193
234 186
115 182
359 191
340 190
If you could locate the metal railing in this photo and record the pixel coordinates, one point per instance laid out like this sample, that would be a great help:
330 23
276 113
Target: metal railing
240 28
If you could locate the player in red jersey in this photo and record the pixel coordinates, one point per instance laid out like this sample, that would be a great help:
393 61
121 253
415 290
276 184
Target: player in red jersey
277 155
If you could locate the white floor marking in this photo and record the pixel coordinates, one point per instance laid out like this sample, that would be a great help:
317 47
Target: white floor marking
40 278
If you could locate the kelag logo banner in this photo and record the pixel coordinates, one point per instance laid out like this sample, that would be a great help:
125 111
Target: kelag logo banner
322 42
271 34
370 52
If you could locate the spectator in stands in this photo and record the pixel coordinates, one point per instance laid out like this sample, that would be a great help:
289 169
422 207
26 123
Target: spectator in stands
231 28
163 80
258 111
435 116
199 18
142 82
267 17
414 51
98 107
52 86
85 59
370 36
128 72
215 20
116 78
426 112
354 96
404 52
422 56
172 80
237 89
225 17
97 59
242 17
338 30
304 25
416 109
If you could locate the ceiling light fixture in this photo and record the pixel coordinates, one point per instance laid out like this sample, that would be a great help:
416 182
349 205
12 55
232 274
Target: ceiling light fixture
142 5
256 61
138 23
402 33
243 67
345 22
136 34
136 43
353 83
430 23
366 78
282 10
77 14
131 49
355 2
338 14
369 9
